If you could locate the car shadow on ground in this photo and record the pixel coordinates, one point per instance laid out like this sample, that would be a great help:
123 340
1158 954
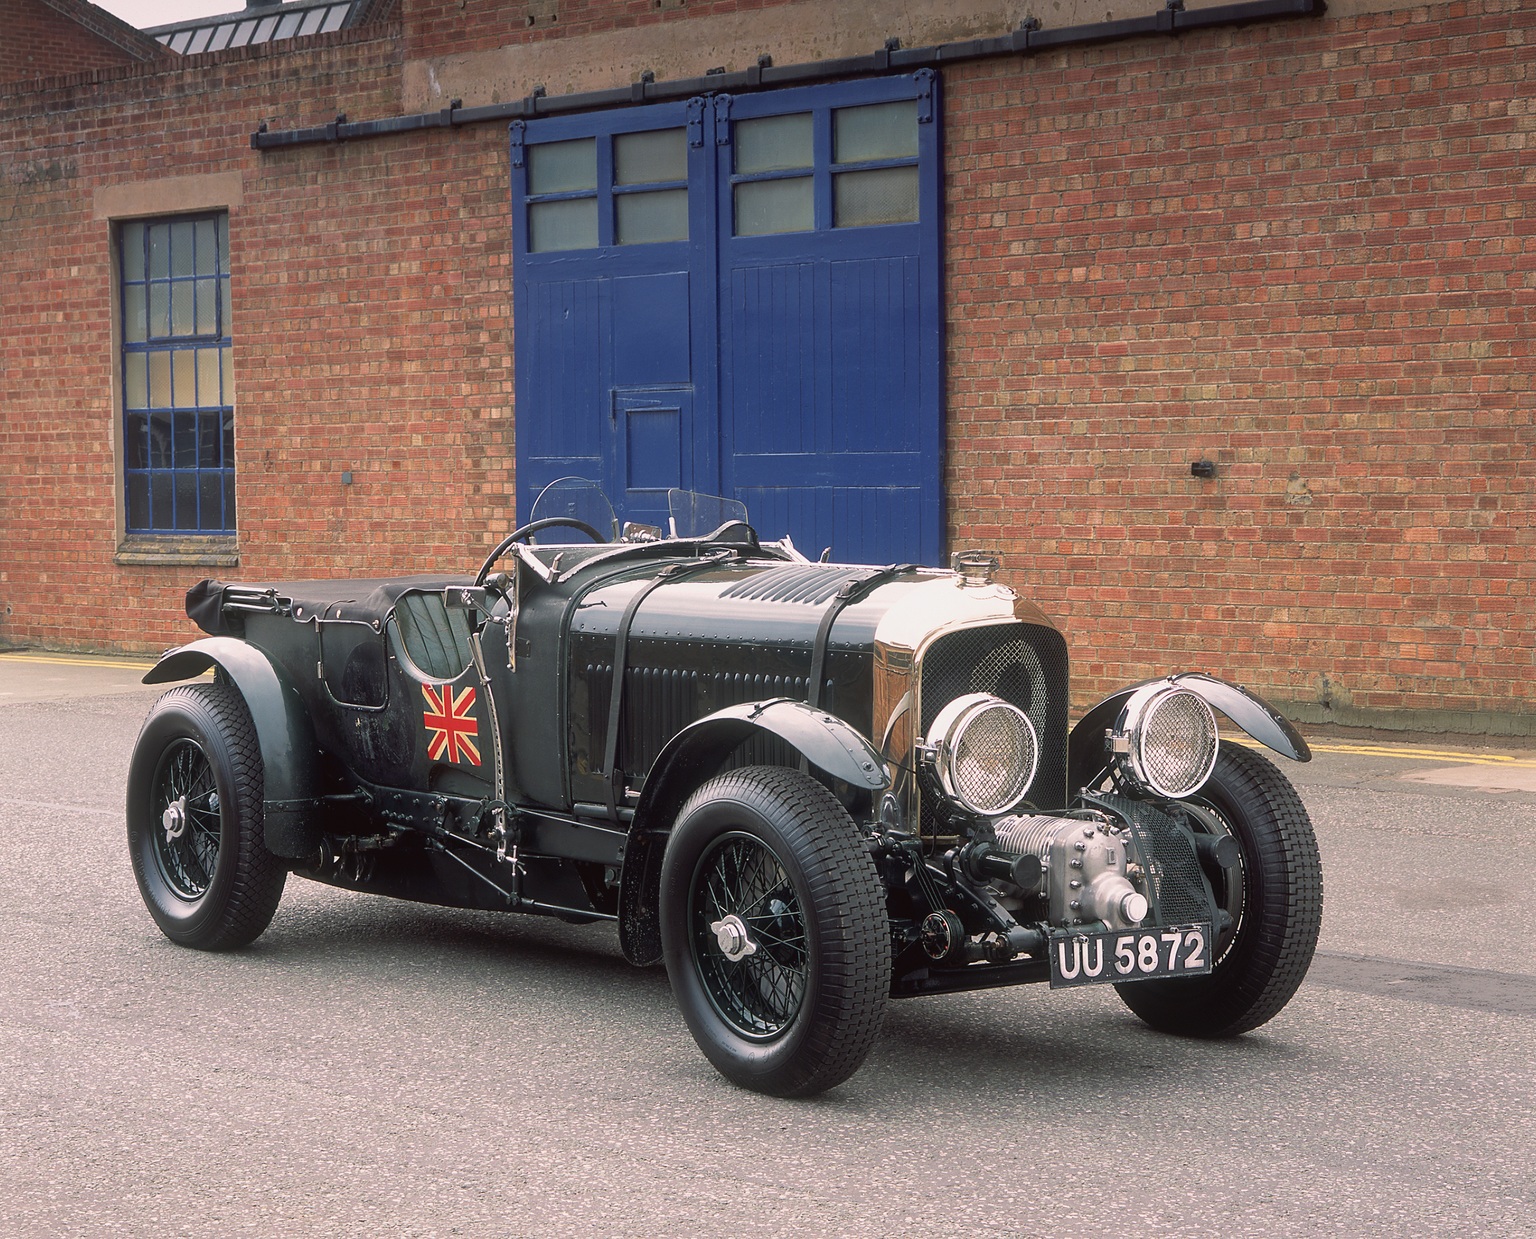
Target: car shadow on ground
340 927
949 1049
1058 1045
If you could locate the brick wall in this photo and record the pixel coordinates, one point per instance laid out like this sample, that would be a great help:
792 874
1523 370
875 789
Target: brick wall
371 308
447 27
1305 252
36 41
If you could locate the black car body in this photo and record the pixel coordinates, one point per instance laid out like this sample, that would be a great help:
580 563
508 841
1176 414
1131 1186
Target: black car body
819 786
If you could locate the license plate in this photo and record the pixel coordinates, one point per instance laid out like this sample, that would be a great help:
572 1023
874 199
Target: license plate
1130 955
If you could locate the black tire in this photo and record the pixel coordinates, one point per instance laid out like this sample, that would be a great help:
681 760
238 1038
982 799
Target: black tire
774 849
1274 895
195 820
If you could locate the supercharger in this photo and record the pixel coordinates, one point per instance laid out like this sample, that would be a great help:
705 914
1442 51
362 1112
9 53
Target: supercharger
1087 873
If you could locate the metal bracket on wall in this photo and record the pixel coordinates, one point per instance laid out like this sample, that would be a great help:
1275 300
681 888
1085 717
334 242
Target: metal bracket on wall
1026 40
925 80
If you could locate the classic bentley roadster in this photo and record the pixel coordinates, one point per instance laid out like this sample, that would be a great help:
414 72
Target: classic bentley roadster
807 787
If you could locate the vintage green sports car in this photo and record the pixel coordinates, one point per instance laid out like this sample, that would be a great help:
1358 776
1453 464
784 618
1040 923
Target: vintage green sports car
807 787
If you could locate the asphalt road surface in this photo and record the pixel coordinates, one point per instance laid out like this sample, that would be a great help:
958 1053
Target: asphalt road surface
377 1068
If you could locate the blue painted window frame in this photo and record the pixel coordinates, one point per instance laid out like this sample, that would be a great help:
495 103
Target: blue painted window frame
605 128
822 103
178 453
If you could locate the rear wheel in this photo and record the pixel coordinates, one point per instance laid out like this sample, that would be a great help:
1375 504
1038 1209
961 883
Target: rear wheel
1273 895
774 931
195 820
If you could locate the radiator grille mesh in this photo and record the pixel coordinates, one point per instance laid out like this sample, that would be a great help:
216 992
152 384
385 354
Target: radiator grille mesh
1023 664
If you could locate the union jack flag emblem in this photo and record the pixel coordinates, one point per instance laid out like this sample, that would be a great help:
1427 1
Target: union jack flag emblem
451 724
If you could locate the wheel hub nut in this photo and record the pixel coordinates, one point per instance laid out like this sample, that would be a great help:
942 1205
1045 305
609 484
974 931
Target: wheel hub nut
174 819
732 937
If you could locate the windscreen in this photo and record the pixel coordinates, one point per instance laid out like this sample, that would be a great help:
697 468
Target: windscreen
574 498
694 515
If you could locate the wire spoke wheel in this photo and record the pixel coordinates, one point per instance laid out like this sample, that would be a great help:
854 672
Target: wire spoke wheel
195 820
774 930
186 847
756 975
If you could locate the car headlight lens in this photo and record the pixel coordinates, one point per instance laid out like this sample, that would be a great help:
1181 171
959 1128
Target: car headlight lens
1166 740
985 752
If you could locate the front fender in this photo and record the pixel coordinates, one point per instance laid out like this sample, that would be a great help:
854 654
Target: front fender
283 730
1085 746
692 756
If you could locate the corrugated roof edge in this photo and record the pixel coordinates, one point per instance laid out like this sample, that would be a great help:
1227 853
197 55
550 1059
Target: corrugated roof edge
216 19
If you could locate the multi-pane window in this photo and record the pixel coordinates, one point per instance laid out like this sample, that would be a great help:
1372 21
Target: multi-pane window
874 164
868 152
774 183
627 189
237 29
178 396
804 171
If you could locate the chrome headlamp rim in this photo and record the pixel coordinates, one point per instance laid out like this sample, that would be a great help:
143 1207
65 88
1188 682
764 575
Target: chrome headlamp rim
943 744
1131 734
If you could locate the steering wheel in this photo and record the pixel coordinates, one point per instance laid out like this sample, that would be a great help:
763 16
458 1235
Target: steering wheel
533 527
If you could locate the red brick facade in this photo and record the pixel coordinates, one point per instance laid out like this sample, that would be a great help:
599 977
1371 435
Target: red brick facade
1306 253
42 39
1301 250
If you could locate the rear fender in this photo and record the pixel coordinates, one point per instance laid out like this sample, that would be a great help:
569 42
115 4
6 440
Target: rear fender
1085 746
691 757
283 730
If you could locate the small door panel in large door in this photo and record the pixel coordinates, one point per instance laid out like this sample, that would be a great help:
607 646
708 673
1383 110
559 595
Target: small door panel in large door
653 440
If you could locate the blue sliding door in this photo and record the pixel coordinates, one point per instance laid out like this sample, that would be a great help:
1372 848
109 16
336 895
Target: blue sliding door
740 295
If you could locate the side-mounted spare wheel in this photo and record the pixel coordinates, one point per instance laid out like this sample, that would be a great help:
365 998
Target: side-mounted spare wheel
1274 896
195 820
774 931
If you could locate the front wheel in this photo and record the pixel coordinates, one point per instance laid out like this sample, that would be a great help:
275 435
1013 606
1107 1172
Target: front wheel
774 931
1273 896
195 820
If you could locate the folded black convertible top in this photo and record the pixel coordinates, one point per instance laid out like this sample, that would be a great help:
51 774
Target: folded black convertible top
218 607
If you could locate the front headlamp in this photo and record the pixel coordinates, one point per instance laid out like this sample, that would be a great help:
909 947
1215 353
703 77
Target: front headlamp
1165 740
984 752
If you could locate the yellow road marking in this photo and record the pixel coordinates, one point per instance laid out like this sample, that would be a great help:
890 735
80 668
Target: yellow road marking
1457 755
1359 750
1411 752
66 661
